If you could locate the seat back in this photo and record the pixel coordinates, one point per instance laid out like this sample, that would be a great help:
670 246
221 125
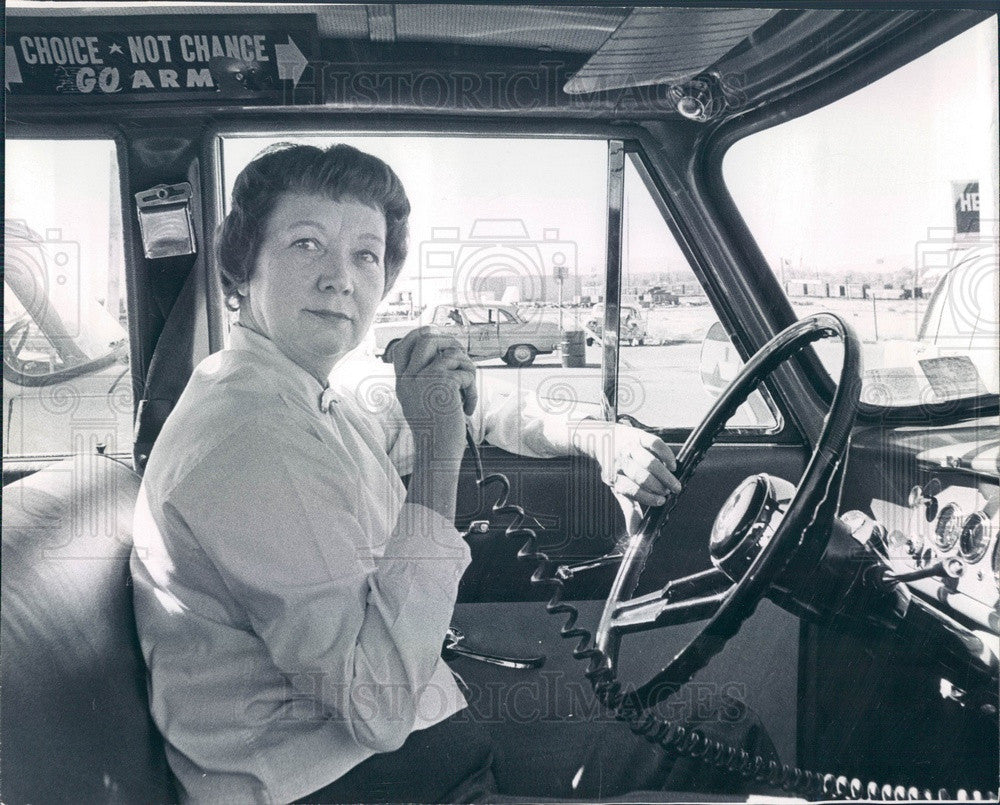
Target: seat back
74 712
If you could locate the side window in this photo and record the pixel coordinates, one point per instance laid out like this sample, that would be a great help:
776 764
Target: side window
478 315
448 317
516 223
67 386
675 357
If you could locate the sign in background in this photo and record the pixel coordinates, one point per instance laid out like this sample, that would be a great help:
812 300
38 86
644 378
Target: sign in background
966 197
157 57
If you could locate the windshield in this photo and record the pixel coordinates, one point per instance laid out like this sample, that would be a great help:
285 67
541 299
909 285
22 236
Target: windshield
882 207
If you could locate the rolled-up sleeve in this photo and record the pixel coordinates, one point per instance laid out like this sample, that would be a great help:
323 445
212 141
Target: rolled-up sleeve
276 516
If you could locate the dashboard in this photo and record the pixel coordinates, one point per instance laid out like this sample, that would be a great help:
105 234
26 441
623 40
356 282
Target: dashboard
942 536
950 532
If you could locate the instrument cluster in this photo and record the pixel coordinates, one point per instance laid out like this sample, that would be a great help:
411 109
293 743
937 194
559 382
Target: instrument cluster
953 530
953 533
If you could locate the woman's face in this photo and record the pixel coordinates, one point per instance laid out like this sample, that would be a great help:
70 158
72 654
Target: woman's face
318 278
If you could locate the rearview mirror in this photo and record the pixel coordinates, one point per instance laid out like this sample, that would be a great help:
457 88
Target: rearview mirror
720 362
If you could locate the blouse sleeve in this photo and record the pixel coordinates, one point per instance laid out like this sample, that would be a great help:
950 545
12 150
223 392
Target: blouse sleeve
271 511
515 421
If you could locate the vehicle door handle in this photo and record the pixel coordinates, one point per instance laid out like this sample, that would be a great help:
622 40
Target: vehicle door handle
452 649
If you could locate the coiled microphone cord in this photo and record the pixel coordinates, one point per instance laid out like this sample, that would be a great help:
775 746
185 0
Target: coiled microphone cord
672 735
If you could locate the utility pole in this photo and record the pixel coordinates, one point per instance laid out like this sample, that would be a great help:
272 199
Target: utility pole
559 272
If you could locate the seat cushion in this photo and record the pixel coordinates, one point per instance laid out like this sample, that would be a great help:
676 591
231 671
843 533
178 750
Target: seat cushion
73 712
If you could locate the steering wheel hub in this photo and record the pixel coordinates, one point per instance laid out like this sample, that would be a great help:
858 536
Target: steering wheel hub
747 522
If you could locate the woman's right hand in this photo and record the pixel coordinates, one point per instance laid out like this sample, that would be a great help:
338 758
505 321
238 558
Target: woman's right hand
436 388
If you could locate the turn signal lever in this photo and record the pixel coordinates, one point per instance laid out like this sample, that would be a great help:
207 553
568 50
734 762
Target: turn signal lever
950 568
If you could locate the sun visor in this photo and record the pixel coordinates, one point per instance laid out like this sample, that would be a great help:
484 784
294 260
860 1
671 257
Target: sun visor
665 45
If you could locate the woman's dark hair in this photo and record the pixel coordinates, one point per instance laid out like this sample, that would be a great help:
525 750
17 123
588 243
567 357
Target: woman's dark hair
338 172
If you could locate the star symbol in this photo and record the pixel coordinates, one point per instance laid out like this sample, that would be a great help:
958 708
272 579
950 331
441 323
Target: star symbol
114 48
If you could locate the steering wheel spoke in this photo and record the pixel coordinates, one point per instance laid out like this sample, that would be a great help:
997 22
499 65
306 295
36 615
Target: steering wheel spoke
639 617
690 598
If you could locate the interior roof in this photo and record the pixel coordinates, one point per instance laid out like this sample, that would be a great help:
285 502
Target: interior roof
568 29
603 52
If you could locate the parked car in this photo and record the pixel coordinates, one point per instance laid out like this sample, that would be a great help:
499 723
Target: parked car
487 331
632 325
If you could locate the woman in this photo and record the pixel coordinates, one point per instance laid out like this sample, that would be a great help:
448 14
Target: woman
291 594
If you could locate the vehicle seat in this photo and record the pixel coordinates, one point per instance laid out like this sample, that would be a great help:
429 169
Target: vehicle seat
74 710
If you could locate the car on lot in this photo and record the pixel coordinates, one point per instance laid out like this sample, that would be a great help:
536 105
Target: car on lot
485 330
832 565
633 326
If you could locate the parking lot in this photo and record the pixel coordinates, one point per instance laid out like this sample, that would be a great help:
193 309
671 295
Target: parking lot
659 383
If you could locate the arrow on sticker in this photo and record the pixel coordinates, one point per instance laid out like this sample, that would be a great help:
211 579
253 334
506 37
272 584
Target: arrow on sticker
12 70
291 62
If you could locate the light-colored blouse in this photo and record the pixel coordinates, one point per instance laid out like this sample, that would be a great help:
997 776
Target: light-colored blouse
290 604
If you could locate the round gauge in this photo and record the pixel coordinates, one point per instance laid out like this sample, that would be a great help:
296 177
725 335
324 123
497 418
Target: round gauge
948 528
975 537
996 562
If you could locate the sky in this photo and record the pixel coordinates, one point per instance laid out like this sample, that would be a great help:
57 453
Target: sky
858 185
865 179
555 187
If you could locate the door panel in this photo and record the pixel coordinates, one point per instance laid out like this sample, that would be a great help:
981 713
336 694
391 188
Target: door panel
582 519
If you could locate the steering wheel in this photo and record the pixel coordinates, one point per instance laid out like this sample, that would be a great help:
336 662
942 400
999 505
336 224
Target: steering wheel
764 524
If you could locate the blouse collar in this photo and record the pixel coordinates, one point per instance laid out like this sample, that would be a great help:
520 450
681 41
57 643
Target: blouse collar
301 382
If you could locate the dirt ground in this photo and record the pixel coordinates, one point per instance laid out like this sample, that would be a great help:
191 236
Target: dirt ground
874 320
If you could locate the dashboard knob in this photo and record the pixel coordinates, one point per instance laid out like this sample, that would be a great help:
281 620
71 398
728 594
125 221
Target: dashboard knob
896 542
864 529
926 498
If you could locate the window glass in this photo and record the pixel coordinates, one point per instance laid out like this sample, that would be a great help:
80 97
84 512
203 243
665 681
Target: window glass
675 357
478 315
448 317
517 222
882 208
67 386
